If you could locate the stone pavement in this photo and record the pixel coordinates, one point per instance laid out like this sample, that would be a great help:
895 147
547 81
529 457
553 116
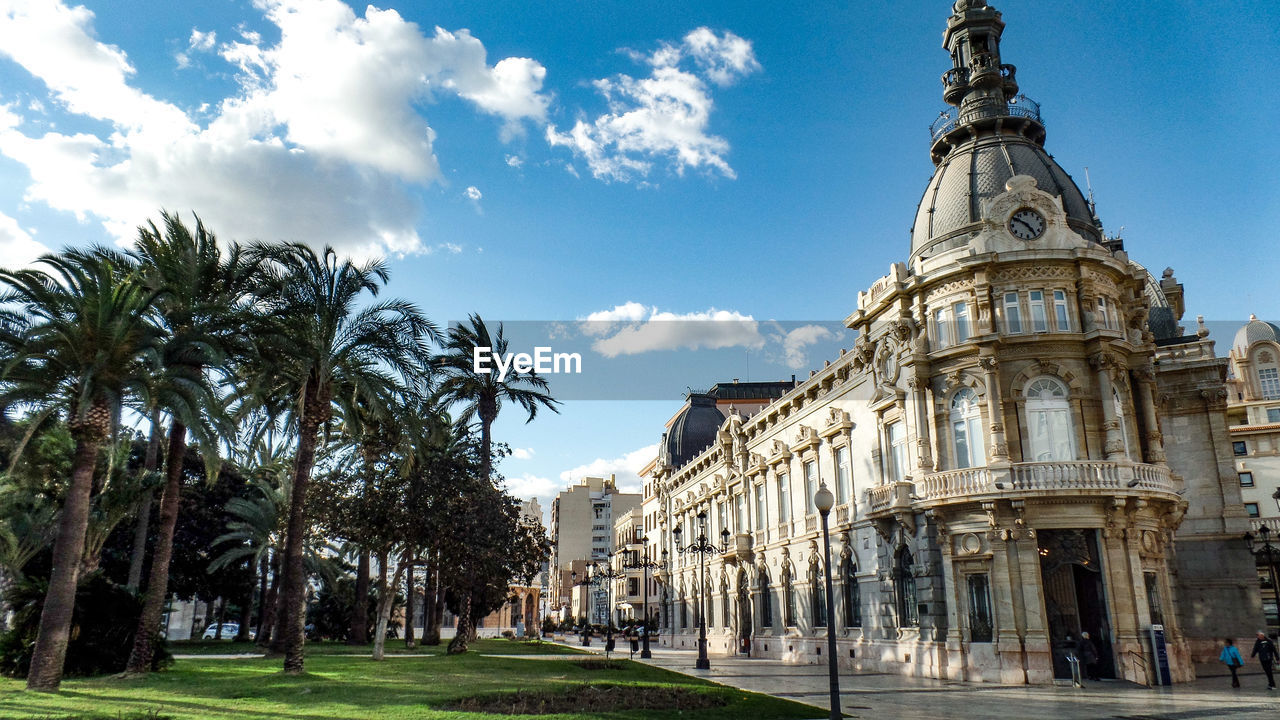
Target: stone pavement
888 697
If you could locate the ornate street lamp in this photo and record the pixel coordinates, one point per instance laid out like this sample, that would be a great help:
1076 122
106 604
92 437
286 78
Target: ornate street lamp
603 575
642 562
823 500
1265 550
702 547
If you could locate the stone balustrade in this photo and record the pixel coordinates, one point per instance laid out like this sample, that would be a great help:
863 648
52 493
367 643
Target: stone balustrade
1021 479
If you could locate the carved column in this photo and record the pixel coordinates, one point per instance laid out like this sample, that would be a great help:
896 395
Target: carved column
1113 446
1146 377
998 448
924 456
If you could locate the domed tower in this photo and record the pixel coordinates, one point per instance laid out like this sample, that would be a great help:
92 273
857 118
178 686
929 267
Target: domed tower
1019 399
991 135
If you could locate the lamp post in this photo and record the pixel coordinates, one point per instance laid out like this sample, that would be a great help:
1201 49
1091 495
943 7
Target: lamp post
823 500
586 630
642 562
1267 550
702 547
603 575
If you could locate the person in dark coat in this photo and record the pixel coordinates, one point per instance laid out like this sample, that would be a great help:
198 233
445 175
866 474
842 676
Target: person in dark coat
1088 654
1265 651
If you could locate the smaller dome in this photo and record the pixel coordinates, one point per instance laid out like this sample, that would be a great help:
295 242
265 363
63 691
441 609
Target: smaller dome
693 430
1255 331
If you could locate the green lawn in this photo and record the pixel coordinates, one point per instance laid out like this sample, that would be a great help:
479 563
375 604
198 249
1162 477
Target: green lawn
339 684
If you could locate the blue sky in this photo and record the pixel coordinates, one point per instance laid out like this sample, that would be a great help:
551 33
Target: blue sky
763 161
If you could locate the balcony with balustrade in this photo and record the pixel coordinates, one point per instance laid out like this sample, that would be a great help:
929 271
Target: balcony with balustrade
1019 481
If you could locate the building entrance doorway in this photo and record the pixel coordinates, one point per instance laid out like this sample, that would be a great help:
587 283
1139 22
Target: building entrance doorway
1075 597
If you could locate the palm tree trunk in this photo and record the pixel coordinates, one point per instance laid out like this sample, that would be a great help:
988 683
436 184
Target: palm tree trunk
262 596
268 635
68 550
158 582
486 441
409 592
359 633
140 530
458 644
293 590
386 598
246 605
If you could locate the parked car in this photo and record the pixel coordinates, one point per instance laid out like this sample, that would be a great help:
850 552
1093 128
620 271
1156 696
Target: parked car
229 631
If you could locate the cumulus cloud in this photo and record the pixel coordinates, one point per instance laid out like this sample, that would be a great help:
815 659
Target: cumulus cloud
794 342
521 453
665 115
321 142
632 328
528 485
514 161
17 248
626 468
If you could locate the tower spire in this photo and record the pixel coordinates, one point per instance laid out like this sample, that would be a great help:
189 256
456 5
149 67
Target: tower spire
982 88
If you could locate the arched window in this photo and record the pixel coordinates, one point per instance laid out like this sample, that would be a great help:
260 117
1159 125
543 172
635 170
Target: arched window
904 585
967 437
1268 376
766 601
852 594
817 596
1049 421
684 611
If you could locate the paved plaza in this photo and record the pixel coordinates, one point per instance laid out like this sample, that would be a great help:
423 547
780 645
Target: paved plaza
887 697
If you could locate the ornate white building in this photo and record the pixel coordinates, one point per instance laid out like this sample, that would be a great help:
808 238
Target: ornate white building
995 439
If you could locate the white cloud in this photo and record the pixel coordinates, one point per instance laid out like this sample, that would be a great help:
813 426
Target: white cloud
528 486
17 248
320 142
632 328
521 453
473 193
515 161
663 116
795 341
626 468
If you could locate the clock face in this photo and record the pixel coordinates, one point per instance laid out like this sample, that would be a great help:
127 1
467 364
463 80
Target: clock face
1026 224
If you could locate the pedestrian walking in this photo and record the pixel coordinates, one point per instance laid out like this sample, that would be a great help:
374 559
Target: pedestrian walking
1265 651
1088 654
1230 657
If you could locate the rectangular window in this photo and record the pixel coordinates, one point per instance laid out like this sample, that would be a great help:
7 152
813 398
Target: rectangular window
1039 321
1273 415
979 609
1060 311
740 510
761 507
1269 383
1106 315
1246 479
897 433
722 519
784 498
1154 605
1239 448
810 486
961 312
843 488
1251 509
942 328
633 586
1012 314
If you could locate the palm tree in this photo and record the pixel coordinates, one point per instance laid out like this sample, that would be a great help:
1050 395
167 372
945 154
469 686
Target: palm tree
483 394
203 310
326 352
82 338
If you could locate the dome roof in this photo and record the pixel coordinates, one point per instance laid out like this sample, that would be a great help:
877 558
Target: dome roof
1256 331
693 430
975 171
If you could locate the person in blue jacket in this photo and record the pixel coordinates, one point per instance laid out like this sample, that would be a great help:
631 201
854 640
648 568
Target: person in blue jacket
1230 657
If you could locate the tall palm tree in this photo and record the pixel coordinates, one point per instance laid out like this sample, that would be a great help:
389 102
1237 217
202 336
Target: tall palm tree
483 394
203 311
82 338
326 351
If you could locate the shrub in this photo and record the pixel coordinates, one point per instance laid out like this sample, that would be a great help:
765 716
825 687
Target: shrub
102 628
509 634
